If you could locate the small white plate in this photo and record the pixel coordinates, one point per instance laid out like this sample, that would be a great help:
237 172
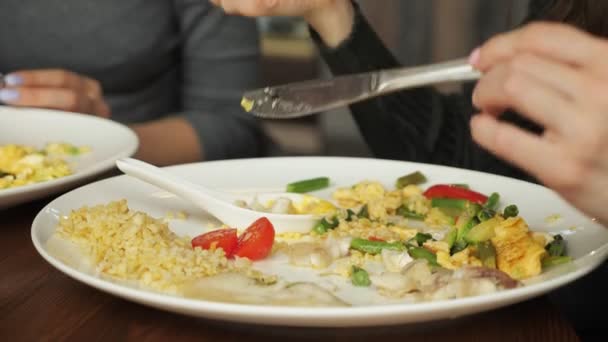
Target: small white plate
108 141
587 241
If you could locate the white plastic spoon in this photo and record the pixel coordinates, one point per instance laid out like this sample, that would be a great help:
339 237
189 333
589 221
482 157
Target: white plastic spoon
217 203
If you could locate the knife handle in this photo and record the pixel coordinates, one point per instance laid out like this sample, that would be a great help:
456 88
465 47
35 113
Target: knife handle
453 71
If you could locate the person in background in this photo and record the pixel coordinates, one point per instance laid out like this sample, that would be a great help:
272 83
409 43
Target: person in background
174 70
543 103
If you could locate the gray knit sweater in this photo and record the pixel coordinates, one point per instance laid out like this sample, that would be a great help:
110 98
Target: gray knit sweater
153 58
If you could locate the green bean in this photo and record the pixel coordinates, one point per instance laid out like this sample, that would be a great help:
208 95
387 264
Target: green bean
492 201
308 185
360 277
375 247
411 179
511 211
449 203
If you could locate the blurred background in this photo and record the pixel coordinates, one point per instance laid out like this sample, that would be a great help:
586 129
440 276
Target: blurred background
416 31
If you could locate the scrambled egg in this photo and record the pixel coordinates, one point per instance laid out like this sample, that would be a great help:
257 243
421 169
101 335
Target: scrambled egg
23 165
314 206
517 252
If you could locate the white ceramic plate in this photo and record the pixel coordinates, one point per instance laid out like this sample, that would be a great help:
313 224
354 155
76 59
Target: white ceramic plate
588 242
108 141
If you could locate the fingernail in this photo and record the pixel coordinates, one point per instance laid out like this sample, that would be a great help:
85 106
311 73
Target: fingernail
9 95
474 57
13 80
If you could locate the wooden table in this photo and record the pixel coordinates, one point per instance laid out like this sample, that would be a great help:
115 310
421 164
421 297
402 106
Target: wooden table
38 303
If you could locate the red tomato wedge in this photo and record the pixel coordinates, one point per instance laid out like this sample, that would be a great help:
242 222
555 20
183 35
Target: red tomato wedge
256 242
225 239
454 192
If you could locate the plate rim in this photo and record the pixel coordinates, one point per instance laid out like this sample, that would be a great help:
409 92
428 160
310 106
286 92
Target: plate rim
249 313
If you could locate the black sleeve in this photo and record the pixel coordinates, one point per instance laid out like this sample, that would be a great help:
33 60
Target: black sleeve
419 125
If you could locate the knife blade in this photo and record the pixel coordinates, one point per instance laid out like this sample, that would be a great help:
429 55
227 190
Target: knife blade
312 97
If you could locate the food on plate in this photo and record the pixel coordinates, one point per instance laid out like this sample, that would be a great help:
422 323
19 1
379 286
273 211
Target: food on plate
22 165
282 205
405 244
308 185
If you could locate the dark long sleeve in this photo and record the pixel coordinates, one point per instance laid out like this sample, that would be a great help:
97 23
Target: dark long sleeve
420 125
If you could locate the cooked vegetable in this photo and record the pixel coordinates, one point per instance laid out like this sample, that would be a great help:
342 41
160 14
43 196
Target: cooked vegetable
320 229
423 253
492 202
511 211
360 277
364 212
485 214
415 178
421 238
450 237
487 254
257 240
461 185
374 247
557 247
448 203
454 192
556 260
483 231
466 221
350 215
225 239
4 174
405 212
308 185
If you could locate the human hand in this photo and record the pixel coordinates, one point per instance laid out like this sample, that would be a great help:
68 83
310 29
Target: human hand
54 89
332 19
556 76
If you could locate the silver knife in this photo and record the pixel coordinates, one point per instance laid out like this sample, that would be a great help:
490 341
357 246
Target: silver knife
306 98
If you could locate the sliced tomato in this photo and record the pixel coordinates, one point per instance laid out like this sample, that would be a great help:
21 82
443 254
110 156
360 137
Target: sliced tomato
256 242
377 239
454 192
225 239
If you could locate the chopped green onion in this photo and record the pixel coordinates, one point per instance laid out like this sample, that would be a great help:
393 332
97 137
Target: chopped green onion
556 260
360 277
557 247
308 185
405 212
511 211
350 215
486 214
320 229
411 179
423 253
364 212
421 238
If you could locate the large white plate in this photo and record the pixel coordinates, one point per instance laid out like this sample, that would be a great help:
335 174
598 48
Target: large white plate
588 242
36 127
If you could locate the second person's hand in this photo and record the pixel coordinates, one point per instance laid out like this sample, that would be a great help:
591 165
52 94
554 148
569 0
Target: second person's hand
332 19
54 89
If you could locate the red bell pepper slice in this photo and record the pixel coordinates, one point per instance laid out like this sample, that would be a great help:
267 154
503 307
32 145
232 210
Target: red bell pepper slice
449 191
